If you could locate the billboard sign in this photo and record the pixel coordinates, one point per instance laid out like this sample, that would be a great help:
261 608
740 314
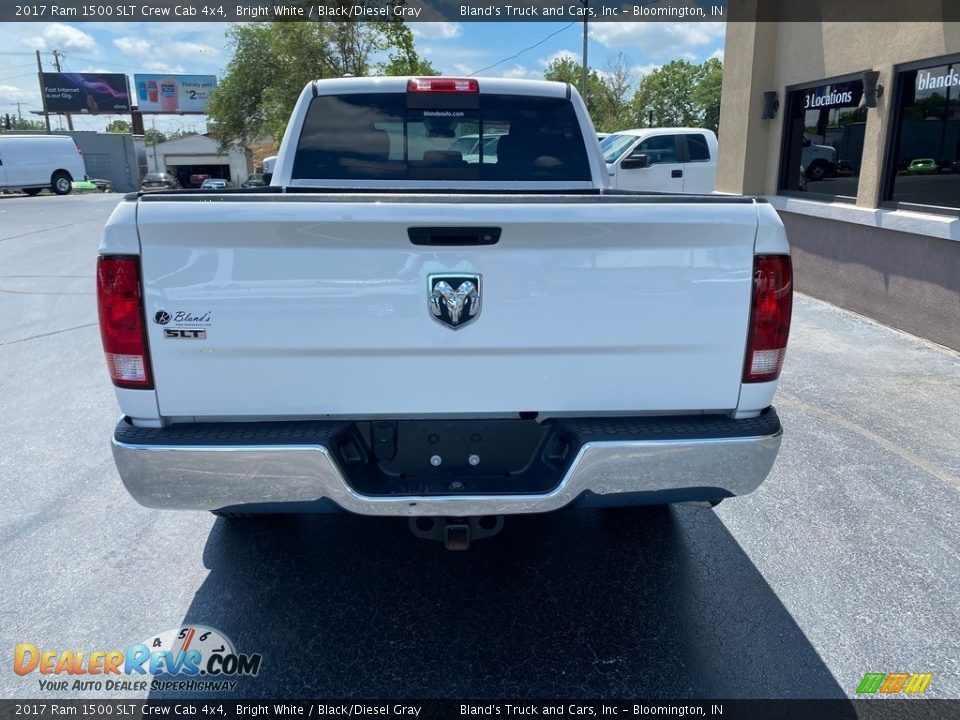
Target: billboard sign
86 92
174 93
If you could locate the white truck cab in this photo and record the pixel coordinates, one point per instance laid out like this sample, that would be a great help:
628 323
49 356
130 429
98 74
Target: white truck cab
662 159
819 161
34 162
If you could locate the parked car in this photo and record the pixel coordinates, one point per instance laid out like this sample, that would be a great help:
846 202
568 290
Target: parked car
32 163
102 185
923 166
397 355
819 161
159 181
469 147
662 159
254 180
196 180
82 186
214 184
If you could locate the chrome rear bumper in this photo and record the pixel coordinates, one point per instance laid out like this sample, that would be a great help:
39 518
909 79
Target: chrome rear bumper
208 469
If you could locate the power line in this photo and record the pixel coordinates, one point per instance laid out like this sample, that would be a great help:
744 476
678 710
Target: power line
535 45
14 77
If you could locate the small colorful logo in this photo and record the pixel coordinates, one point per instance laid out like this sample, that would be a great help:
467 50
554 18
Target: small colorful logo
894 683
189 652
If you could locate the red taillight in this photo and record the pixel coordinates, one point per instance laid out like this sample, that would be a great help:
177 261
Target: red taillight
121 321
443 85
769 318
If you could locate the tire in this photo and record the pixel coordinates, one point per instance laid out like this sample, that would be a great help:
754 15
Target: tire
816 172
60 183
31 191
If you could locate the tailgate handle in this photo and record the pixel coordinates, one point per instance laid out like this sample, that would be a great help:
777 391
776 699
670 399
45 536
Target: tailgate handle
454 235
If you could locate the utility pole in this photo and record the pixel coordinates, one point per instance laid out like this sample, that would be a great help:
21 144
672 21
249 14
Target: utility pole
43 94
56 62
156 165
584 72
19 111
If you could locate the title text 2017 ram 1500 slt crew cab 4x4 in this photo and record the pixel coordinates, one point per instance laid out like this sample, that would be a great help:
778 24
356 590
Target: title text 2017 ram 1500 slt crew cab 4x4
392 330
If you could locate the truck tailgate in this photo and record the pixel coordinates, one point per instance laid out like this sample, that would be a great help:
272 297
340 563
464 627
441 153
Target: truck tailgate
314 307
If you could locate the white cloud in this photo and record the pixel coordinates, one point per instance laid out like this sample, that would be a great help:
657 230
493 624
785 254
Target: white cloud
718 54
520 72
659 39
191 49
162 67
59 36
12 92
132 45
560 55
437 30
641 70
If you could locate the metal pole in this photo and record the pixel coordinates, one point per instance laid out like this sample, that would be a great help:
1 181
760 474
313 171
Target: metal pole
156 166
43 94
584 72
56 62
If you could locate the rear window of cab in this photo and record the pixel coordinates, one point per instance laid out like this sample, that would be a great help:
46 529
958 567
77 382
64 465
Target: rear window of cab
379 136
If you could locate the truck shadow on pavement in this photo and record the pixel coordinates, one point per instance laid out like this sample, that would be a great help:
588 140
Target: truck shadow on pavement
651 602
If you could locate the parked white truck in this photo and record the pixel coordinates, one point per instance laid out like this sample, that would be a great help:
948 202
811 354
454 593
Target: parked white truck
662 159
391 330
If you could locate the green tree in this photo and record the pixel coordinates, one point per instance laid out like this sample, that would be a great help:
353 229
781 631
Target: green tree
118 126
152 136
403 58
19 123
566 69
272 62
707 93
668 91
681 94
618 78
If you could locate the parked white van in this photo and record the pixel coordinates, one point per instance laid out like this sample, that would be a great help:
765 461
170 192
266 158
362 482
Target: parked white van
682 160
34 162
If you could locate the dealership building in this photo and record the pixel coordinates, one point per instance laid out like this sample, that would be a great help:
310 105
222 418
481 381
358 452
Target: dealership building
852 131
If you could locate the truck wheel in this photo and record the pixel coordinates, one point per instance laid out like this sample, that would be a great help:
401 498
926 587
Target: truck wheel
816 172
31 191
60 183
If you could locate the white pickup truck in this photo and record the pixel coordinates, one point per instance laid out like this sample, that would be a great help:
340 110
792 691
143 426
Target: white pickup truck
662 159
392 330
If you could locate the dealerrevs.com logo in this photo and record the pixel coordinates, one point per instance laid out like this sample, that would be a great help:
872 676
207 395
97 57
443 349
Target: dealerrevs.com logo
192 658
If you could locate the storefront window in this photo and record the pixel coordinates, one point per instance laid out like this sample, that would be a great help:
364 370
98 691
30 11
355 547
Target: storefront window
926 157
823 139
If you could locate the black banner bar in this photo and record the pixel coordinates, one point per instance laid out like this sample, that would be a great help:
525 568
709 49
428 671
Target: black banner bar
890 709
481 10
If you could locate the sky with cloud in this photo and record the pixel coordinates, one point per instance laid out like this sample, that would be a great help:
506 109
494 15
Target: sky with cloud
502 49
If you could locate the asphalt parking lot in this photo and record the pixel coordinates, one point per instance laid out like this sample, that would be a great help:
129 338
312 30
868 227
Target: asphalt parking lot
846 561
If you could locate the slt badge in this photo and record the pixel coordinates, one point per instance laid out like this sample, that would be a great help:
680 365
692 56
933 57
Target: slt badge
454 299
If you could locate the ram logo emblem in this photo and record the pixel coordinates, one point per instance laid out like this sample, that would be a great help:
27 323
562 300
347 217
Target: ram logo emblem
454 299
